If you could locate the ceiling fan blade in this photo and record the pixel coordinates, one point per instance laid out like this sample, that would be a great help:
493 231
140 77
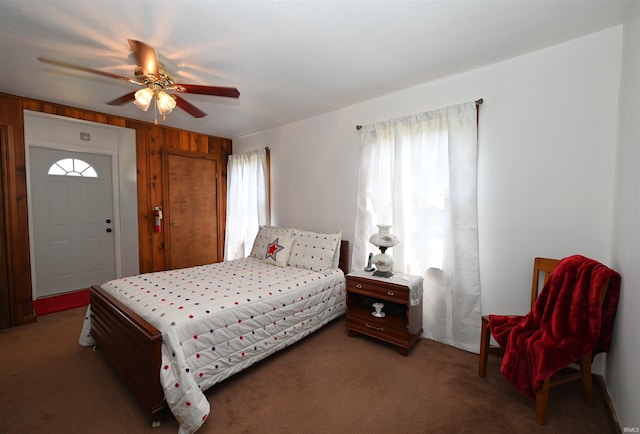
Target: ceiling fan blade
188 107
84 69
230 92
145 57
123 99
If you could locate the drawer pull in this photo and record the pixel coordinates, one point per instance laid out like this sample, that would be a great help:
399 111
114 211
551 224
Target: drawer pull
390 293
359 286
376 328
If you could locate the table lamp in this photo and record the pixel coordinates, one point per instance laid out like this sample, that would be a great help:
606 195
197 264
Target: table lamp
383 239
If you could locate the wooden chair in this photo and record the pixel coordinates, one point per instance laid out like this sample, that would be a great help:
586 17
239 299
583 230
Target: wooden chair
542 269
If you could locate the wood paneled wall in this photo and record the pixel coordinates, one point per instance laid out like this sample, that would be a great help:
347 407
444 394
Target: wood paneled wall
150 141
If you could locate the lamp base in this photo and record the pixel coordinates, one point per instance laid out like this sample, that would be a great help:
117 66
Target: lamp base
382 273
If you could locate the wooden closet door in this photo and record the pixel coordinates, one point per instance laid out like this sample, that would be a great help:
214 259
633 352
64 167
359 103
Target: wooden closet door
191 209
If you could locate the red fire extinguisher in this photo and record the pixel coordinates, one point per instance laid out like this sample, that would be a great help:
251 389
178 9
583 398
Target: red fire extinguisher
157 219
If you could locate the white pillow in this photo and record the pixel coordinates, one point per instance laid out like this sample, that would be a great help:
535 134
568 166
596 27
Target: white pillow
314 251
336 255
278 250
265 235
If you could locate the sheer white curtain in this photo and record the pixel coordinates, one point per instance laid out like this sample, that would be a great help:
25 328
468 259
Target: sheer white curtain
247 201
419 174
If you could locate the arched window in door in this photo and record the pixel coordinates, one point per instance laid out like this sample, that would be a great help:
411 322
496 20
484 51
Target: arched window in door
72 167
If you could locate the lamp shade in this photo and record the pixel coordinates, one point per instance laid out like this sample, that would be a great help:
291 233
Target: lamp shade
166 103
143 98
383 238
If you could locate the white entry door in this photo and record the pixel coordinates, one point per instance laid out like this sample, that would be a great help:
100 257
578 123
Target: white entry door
72 215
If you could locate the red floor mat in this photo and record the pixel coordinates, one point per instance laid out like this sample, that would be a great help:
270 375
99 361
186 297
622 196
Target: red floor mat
56 303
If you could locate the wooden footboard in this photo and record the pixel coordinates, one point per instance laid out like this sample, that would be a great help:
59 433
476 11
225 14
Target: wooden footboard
132 346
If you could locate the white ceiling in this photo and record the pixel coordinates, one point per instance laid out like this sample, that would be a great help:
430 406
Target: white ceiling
289 59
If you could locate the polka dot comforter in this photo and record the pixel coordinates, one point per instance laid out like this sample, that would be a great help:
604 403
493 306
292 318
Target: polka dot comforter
218 319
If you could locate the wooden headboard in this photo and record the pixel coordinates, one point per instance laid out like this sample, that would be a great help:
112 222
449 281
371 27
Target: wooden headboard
344 256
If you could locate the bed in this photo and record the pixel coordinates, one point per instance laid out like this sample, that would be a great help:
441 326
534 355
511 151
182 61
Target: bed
172 335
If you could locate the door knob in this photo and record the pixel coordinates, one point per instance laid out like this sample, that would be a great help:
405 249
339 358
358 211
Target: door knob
174 223
109 230
107 221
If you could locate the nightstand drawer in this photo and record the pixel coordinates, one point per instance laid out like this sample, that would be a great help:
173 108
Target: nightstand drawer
387 331
386 291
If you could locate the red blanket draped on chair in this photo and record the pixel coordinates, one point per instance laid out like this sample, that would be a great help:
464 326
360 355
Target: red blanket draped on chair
566 322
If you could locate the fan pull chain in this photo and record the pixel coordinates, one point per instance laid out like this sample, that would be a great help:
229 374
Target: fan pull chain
155 112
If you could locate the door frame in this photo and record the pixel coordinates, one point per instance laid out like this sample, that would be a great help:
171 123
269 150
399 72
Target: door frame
62 134
6 295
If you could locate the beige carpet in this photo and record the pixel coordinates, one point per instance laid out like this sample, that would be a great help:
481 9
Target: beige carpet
327 383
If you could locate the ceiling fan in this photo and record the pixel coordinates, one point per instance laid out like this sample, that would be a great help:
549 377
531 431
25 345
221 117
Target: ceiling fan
155 81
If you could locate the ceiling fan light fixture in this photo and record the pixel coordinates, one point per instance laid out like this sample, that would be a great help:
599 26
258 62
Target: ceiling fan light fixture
143 98
155 80
166 103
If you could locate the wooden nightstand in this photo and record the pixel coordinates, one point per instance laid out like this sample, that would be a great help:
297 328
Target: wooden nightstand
401 295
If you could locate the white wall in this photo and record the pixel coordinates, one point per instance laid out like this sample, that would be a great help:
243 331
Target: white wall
547 173
546 159
622 377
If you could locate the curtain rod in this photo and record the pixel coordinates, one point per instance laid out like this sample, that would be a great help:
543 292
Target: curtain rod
478 102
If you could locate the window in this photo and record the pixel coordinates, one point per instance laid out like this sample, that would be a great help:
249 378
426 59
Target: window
72 167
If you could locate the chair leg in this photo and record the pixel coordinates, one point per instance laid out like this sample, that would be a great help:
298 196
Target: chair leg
542 401
587 381
485 336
